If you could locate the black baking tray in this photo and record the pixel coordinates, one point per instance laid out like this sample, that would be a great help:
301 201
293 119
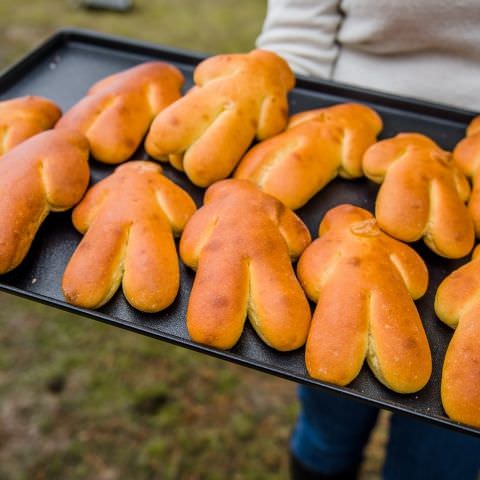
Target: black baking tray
66 65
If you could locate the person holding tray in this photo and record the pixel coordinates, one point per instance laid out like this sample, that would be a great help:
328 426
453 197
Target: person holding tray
428 50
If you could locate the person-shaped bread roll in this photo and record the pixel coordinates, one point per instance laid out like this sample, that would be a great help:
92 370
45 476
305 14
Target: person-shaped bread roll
467 156
317 146
23 117
423 194
364 283
241 243
237 97
457 303
117 111
47 173
129 220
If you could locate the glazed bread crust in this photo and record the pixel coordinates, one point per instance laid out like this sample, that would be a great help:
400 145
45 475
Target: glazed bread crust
377 319
129 220
48 172
23 117
457 303
317 146
241 243
467 156
237 97
117 111
423 194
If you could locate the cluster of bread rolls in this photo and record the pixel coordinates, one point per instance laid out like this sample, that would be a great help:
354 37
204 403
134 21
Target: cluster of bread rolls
242 241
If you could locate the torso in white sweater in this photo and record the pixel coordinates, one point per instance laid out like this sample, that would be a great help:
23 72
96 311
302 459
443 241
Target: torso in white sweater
427 49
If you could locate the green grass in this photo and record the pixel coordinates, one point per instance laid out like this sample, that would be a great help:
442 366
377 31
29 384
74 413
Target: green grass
82 400
211 26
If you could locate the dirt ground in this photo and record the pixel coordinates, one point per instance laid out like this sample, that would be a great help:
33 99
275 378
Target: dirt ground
82 400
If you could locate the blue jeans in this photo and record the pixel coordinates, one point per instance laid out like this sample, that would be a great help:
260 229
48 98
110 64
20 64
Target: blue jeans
332 431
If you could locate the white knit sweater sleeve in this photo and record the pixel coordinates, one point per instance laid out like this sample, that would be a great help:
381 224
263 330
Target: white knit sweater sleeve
303 32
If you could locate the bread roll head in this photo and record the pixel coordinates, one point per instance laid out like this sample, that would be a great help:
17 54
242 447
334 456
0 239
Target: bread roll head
241 243
317 146
48 172
423 194
457 303
467 157
21 118
117 111
364 283
236 98
129 220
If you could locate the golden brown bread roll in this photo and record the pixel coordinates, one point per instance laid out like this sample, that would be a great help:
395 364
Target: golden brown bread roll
422 194
241 243
457 304
129 220
117 111
317 146
236 98
467 157
363 282
48 172
21 118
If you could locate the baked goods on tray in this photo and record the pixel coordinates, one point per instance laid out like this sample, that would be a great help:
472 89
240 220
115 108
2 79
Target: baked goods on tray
117 111
241 243
47 173
423 194
237 97
23 117
467 157
129 220
317 146
457 303
364 283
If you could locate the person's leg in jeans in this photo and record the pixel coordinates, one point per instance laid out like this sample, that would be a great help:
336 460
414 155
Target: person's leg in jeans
419 450
331 432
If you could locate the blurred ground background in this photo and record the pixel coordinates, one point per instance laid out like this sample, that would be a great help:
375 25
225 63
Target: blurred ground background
81 400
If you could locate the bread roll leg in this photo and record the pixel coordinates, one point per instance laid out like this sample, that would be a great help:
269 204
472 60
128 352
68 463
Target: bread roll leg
175 130
338 358
26 217
151 266
398 351
281 308
446 208
474 204
226 300
96 266
311 169
225 134
391 214
273 116
460 385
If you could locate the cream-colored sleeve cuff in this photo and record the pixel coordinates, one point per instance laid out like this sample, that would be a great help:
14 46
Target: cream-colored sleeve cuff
303 32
